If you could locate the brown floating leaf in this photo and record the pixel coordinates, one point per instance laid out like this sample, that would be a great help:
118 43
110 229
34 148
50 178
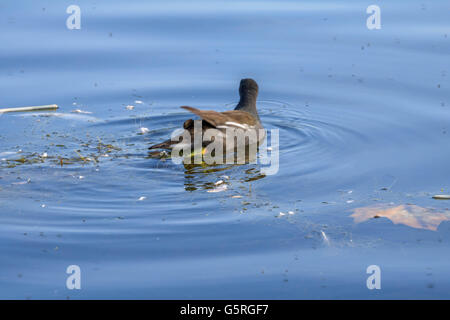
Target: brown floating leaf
409 215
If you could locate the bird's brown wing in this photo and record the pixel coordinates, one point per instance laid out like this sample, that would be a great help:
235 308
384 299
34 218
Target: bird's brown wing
215 118
212 119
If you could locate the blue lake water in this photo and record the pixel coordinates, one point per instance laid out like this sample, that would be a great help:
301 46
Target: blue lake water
363 118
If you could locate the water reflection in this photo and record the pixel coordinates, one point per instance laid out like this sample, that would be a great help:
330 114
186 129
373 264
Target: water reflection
210 177
216 177
409 215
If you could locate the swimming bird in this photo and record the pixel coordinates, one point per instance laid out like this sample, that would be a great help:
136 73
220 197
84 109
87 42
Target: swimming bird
244 120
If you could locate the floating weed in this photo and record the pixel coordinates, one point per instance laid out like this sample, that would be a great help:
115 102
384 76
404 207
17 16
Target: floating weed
88 152
106 147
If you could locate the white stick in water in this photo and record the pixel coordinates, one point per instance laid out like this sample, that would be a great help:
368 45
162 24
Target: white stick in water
35 108
325 238
442 197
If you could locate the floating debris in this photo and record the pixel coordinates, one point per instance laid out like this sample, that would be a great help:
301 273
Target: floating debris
218 182
164 153
220 188
80 111
138 102
409 215
142 198
144 130
236 197
129 107
282 214
291 212
442 197
350 201
325 238
22 182
34 108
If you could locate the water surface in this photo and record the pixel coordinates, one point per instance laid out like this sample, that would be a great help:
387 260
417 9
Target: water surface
364 144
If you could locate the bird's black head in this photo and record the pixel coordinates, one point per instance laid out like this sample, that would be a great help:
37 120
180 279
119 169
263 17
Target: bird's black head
248 91
248 87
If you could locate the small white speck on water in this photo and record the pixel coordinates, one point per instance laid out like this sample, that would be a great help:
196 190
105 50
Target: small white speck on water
236 197
138 102
350 192
81 177
43 205
144 130
81 111
269 149
44 155
218 182
225 177
282 214
325 238
291 212
129 107
350 201
142 198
